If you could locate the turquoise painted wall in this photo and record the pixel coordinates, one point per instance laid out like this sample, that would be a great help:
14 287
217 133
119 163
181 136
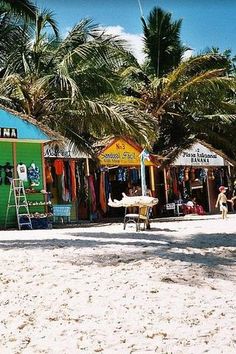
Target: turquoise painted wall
25 130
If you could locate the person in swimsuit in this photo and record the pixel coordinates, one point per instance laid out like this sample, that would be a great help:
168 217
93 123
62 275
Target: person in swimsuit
222 201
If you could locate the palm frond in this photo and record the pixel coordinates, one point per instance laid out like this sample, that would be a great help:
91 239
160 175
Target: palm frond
24 8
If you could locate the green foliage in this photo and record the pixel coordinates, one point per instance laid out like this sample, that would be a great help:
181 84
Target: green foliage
22 8
195 100
70 83
162 42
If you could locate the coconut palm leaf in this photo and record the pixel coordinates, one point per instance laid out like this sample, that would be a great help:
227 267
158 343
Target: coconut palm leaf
24 8
162 42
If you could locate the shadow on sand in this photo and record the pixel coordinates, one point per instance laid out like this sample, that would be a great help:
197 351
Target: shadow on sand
211 250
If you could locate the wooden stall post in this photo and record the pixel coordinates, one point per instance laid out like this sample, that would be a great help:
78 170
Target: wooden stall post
165 185
152 180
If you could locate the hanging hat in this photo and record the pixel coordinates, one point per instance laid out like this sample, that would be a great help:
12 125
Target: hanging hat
222 188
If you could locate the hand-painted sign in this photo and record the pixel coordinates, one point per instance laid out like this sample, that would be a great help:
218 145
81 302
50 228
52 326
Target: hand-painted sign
8 133
199 155
121 153
67 151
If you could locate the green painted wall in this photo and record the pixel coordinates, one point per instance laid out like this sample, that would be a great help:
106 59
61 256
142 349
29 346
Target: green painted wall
26 153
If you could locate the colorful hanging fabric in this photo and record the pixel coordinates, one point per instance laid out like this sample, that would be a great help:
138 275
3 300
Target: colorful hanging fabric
175 184
107 186
185 192
34 174
102 193
59 166
186 174
8 168
181 175
92 194
73 180
48 173
82 190
134 175
65 194
202 175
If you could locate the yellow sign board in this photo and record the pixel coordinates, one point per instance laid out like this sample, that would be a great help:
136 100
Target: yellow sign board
121 153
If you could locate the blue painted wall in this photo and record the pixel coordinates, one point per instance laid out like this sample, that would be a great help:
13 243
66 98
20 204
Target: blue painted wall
25 130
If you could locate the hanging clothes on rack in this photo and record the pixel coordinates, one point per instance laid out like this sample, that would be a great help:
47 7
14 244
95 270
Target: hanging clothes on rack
92 194
102 193
67 182
59 167
73 180
175 184
48 173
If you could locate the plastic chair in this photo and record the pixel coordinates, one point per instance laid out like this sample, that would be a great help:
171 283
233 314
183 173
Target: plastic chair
137 218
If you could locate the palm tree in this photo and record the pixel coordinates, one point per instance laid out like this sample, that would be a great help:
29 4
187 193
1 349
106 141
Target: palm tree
162 42
13 17
70 83
195 100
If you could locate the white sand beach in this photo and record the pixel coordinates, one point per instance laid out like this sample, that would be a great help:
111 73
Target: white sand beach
99 289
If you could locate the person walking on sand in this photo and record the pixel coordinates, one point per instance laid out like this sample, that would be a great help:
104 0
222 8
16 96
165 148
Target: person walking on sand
222 201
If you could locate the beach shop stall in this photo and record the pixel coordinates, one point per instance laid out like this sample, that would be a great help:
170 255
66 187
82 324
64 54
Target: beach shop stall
21 157
197 172
69 182
120 170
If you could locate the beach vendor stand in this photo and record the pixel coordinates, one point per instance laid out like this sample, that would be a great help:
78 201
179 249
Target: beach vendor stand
197 173
21 157
120 170
70 182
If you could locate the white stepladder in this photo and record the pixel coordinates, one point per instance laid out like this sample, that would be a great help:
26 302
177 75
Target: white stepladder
20 204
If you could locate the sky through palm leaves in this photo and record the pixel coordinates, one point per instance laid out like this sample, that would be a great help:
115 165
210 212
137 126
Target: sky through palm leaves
205 23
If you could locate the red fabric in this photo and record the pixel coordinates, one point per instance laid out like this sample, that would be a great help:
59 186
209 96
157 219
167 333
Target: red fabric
103 202
59 167
200 210
73 180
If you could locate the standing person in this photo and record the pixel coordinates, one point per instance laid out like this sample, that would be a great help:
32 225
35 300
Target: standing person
138 191
222 201
131 190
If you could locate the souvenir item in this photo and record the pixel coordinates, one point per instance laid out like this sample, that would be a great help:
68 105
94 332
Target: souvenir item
48 174
59 167
186 174
33 175
22 172
8 168
181 175
203 175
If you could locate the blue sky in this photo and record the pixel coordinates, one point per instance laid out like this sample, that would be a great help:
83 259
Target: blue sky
206 23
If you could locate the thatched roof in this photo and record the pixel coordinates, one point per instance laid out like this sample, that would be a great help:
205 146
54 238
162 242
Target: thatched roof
51 134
